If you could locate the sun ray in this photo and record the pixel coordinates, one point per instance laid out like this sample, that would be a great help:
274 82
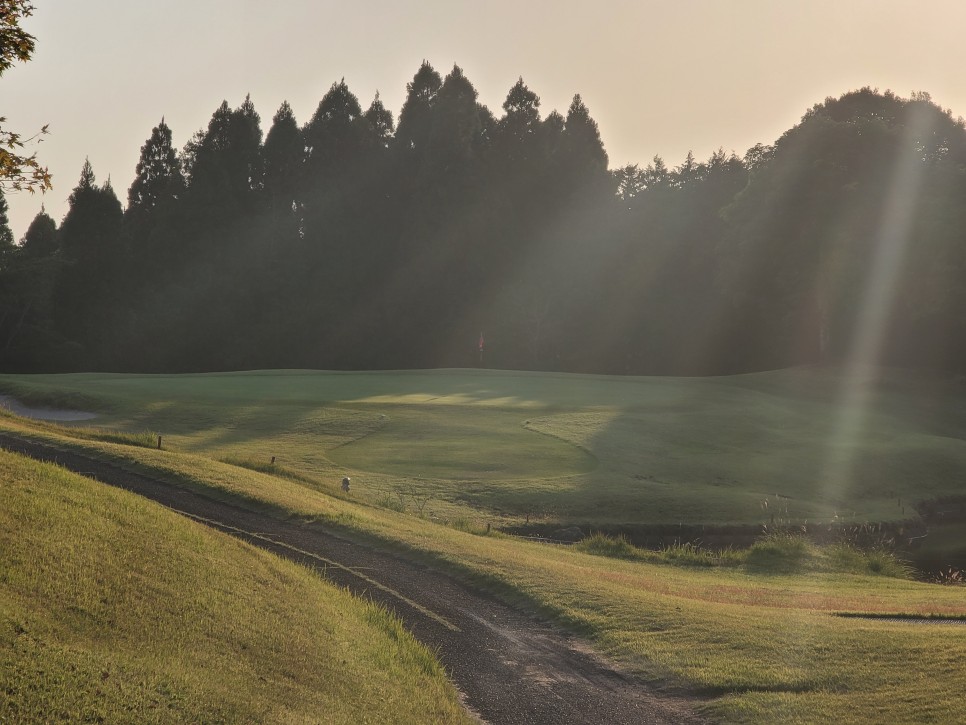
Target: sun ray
878 299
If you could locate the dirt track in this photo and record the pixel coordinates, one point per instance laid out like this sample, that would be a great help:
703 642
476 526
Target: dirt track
509 667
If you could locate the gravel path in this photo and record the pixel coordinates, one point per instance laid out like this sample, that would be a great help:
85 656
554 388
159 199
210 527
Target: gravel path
508 666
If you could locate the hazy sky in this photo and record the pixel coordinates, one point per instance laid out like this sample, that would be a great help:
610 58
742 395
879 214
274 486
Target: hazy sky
660 77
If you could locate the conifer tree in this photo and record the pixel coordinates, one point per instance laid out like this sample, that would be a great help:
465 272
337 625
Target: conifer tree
89 285
40 240
283 153
380 122
415 120
334 136
517 131
25 296
581 141
158 178
456 125
224 163
152 217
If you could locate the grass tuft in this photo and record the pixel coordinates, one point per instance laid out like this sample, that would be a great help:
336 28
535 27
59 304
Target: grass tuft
688 554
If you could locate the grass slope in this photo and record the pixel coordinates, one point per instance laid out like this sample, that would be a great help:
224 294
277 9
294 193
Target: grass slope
113 609
763 646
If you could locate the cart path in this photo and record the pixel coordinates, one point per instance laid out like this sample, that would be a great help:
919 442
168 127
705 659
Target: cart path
508 666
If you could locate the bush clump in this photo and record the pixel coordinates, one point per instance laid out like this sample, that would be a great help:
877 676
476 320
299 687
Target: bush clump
614 547
772 554
781 554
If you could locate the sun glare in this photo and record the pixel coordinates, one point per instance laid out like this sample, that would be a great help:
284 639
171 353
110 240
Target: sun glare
877 302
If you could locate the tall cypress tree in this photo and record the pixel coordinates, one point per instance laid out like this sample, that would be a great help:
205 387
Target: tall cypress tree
87 294
455 134
151 218
517 131
584 158
158 179
380 122
412 133
283 153
224 165
334 136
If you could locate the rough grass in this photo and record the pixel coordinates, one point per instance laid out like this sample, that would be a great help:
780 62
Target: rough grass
114 610
771 554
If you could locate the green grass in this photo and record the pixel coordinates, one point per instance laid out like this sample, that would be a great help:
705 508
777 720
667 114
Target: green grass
593 449
761 640
113 609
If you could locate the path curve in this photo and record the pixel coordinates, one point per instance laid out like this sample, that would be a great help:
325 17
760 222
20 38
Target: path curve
508 666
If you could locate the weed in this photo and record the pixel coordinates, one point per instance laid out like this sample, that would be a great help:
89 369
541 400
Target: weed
393 503
411 497
691 554
950 577
461 523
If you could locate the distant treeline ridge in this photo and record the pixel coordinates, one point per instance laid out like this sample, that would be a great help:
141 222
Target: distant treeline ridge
458 238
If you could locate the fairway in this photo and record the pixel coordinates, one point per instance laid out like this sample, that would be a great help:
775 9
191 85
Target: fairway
569 448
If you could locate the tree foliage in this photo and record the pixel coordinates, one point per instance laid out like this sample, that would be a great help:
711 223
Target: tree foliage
19 171
354 242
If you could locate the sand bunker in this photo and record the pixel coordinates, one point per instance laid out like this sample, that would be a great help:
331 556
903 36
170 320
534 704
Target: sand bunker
64 416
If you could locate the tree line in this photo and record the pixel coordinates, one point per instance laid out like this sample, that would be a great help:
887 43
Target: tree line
456 237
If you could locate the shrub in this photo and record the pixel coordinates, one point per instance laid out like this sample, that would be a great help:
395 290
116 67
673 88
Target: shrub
781 554
846 558
615 547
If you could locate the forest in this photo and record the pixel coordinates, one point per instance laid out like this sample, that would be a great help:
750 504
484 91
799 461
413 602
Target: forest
457 237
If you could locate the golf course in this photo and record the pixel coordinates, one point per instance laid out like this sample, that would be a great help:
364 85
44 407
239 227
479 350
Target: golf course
441 462
481 364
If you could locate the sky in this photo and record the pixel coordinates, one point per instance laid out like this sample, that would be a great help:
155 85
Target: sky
659 77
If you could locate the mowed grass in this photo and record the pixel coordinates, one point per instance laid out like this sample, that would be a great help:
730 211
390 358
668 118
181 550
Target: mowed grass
113 609
757 646
589 449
